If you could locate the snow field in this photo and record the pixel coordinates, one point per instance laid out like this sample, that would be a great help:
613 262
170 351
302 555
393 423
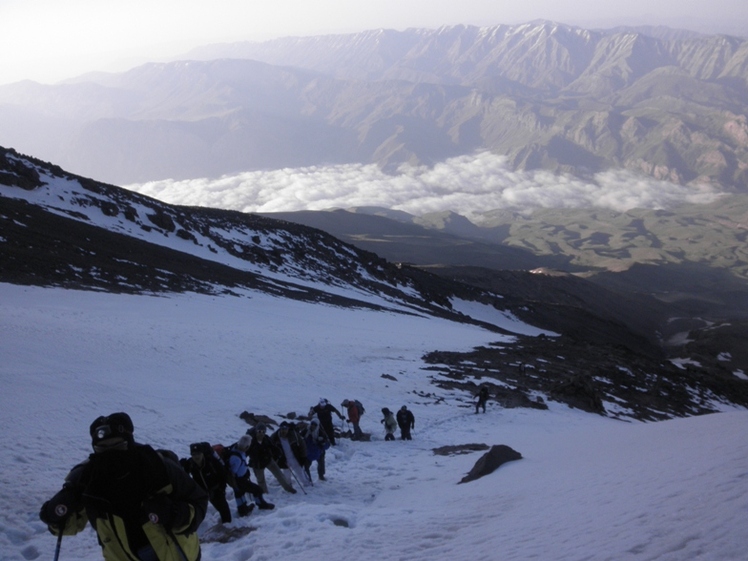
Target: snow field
185 366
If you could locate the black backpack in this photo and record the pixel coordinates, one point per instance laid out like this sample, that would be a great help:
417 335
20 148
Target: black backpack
360 407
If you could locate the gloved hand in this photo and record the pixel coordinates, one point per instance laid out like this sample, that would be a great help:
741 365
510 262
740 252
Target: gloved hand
59 508
160 509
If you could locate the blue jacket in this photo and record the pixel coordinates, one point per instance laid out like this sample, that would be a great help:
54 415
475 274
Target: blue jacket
316 444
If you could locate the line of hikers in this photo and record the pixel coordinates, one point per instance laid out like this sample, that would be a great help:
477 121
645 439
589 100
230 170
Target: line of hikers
147 504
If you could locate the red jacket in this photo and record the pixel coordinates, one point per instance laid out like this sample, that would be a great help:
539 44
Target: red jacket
353 415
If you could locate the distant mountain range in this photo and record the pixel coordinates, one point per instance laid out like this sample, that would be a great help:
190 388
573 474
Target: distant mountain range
667 104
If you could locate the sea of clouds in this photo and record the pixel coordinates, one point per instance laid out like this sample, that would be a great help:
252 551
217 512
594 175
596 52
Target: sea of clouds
468 185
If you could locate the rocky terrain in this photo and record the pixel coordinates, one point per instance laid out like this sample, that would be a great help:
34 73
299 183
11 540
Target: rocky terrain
609 380
60 229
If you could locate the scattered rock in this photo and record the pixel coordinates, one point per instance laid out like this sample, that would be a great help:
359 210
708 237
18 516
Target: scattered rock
252 419
490 461
579 391
459 449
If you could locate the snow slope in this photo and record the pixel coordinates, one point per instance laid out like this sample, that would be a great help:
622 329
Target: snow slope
185 366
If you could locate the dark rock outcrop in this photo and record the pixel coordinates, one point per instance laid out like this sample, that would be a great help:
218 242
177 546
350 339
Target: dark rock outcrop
491 461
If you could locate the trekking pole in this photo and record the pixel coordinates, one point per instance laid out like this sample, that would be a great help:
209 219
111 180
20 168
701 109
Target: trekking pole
59 544
297 481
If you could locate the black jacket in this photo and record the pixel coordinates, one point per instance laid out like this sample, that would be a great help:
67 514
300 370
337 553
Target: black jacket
405 419
109 491
211 476
324 414
262 453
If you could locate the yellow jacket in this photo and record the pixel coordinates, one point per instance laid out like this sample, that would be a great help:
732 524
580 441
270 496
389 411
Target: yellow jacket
115 510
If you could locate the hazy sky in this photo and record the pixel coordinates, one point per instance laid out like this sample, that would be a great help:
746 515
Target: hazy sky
49 40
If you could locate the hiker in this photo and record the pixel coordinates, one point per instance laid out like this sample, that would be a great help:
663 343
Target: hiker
243 485
482 399
406 421
141 504
316 443
390 424
209 472
262 454
288 440
354 416
324 410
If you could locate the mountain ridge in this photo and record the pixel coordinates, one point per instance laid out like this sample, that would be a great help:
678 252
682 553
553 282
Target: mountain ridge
545 95
63 230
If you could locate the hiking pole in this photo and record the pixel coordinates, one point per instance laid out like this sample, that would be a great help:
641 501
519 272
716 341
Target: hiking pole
59 544
297 481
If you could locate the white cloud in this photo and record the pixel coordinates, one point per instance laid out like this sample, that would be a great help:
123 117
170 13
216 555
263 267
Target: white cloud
468 185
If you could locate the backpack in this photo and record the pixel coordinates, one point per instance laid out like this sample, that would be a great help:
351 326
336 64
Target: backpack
222 454
360 407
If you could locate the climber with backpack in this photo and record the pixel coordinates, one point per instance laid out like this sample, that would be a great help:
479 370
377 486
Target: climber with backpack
355 411
324 410
141 504
263 454
406 421
208 470
243 485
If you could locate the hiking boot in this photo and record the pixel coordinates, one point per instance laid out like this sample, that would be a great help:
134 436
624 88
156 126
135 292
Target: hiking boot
322 478
245 510
292 491
264 505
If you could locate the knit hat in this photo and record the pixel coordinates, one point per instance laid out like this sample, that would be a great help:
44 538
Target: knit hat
244 442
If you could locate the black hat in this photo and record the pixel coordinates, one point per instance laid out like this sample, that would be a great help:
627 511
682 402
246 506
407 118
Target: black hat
116 425
197 448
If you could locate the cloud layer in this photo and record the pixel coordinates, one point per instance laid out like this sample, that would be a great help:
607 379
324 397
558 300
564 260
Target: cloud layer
467 185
